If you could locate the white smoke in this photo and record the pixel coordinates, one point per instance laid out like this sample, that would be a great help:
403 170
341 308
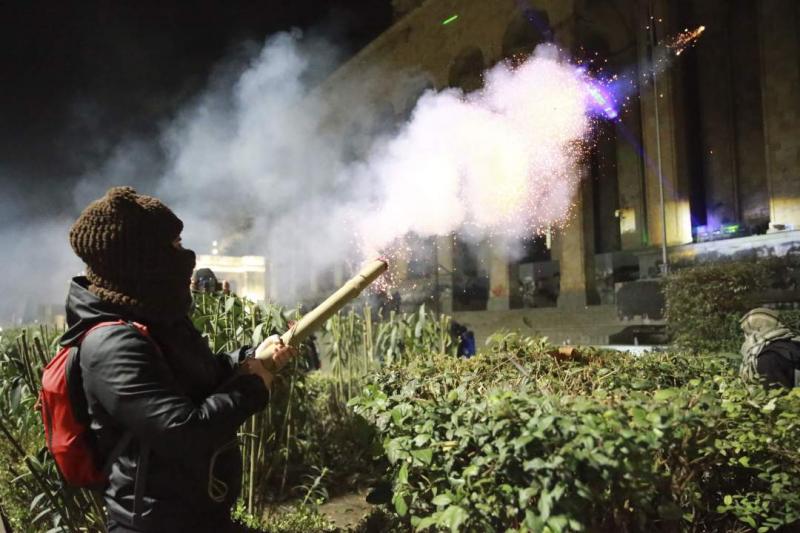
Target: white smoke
501 160
37 260
264 162
498 161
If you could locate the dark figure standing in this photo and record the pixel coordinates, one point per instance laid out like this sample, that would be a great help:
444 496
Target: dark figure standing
174 405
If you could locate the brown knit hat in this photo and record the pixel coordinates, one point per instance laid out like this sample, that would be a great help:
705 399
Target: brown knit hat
125 239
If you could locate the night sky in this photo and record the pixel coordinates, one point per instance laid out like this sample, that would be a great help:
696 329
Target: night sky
80 76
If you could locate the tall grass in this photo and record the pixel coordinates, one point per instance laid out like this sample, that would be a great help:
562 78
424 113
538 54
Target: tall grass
30 486
358 344
304 442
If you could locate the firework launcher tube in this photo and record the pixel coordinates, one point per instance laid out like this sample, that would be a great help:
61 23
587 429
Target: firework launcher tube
317 316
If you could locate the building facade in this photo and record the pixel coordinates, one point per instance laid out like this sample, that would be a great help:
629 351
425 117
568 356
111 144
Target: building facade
717 133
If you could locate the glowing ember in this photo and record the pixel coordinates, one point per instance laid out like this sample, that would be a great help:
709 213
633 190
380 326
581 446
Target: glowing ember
685 39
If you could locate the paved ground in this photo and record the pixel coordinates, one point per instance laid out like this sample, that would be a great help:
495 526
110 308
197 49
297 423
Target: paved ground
591 325
635 350
347 510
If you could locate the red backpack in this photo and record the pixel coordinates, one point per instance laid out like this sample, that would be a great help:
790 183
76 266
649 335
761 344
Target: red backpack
66 418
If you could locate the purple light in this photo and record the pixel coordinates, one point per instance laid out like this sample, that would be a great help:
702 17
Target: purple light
601 99
602 102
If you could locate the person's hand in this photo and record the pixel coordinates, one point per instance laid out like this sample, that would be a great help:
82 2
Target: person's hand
256 367
266 345
281 354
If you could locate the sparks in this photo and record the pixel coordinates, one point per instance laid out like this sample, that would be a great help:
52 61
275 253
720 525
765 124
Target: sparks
685 39
602 101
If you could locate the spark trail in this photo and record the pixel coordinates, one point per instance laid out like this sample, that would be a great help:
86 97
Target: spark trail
685 39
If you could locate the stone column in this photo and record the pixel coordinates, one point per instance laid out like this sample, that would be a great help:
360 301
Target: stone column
630 176
576 250
666 98
780 86
748 118
574 245
499 277
606 190
716 113
445 266
399 267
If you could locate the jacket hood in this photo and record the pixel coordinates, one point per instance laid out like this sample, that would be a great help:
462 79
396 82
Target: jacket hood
84 310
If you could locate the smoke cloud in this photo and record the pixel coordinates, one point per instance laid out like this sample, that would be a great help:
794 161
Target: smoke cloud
500 160
265 162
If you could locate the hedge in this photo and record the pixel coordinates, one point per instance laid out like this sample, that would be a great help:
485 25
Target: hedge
529 439
704 303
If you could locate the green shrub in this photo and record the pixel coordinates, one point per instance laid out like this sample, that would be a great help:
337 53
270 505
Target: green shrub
528 439
299 519
704 303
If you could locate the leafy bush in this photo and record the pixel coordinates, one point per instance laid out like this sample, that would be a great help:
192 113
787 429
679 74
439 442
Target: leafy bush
528 438
704 303
299 519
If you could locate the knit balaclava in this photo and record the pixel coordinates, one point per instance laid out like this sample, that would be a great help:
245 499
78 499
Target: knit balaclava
125 239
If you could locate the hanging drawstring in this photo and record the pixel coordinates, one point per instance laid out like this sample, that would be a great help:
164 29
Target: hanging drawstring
218 489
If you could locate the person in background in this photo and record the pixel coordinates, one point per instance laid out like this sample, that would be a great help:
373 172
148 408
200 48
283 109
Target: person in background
308 349
312 354
465 339
163 409
204 280
396 302
770 351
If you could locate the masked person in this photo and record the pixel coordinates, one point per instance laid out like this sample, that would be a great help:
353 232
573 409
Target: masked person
771 351
204 280
163 410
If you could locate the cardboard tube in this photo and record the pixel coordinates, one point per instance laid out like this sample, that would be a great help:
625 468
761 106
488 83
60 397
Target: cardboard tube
317 316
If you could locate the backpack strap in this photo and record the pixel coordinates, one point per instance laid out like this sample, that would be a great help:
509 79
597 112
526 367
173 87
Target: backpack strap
119 447
138 326
139 481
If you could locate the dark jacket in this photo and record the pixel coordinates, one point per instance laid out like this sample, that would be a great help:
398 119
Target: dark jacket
779 363
178 402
